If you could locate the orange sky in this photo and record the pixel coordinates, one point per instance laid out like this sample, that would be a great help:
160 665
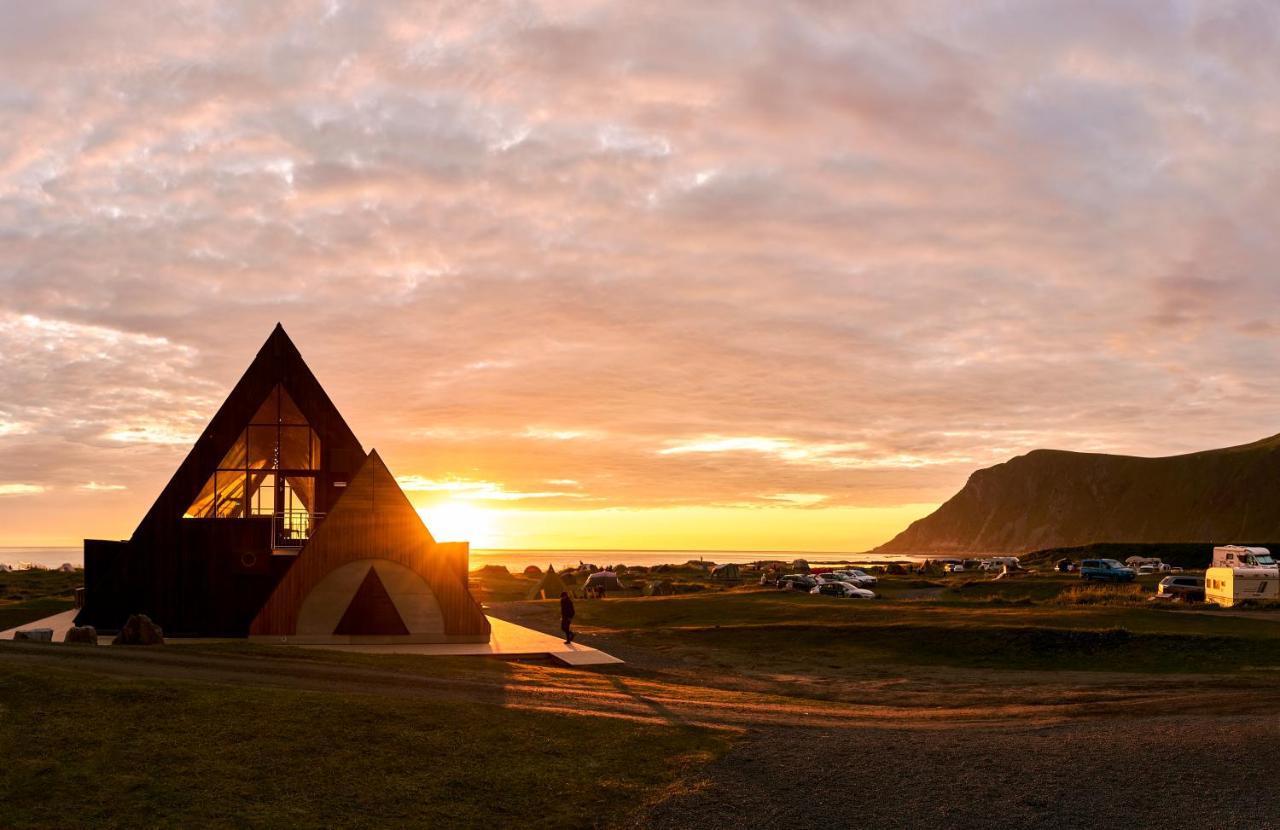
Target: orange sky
769 276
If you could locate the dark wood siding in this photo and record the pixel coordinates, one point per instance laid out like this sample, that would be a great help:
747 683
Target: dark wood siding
189 574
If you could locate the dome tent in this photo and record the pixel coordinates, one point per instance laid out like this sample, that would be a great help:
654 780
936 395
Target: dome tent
549 587
604 580
729 571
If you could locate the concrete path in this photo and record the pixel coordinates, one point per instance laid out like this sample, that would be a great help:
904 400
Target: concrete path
508 640
60 623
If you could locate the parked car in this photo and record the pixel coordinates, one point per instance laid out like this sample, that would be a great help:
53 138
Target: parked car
1106 570
842 589
831 577
796 582
953 568
860 578
1190 588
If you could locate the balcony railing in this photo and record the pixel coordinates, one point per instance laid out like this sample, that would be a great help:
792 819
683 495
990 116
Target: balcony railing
292 528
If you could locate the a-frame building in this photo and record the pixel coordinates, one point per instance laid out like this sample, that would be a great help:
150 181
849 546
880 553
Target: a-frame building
239 538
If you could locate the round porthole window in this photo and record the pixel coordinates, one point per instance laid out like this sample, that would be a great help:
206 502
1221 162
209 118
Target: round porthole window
248 560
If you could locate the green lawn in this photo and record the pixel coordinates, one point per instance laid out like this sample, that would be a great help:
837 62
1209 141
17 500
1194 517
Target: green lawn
83 750
27 596
778 630
14 614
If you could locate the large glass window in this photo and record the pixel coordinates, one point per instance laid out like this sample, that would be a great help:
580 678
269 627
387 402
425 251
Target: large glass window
270 471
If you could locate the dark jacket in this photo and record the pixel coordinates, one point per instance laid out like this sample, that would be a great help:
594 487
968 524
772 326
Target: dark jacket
566 608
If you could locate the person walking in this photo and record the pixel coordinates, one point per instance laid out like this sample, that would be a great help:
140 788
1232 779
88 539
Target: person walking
566 616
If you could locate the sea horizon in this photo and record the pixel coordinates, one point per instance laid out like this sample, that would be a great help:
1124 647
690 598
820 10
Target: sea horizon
52 556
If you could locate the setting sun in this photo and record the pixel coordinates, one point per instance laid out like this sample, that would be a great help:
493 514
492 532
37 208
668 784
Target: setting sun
458 521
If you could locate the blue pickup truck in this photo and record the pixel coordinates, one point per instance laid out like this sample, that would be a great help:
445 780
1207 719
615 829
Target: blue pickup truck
1106 570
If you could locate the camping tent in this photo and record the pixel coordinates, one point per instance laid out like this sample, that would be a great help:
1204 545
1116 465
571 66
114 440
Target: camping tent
533 572
604 581
549 587
660 588
729 571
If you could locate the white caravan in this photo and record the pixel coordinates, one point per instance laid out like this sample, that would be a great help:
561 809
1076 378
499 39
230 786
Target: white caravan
1235 556
1230 586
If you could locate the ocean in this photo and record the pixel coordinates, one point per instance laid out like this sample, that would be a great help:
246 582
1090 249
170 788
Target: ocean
517 560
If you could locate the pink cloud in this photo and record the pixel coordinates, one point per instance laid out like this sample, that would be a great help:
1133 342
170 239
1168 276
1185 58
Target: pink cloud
941 234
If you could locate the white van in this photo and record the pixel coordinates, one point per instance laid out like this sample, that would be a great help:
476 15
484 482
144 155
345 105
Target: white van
995 563
1229 586
1235 556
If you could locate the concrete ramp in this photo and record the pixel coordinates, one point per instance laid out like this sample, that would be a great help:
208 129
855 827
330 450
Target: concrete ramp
60 623
508 640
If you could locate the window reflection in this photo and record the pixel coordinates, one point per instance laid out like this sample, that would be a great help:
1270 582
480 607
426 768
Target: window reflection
270 471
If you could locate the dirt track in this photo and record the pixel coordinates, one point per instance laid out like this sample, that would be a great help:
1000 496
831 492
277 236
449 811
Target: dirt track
1200 771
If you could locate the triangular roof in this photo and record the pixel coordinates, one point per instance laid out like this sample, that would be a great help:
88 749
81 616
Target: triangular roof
277 362
372 519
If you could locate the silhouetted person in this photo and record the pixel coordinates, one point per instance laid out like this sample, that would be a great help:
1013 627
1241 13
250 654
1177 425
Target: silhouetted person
566 616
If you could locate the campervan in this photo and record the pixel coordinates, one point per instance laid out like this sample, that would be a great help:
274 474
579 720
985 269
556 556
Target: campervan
1230 586
1235 556
996 563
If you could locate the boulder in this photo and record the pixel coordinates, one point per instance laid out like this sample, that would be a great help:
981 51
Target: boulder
81 634
139 631
35 635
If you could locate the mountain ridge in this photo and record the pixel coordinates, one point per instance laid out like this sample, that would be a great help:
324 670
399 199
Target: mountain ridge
1050 498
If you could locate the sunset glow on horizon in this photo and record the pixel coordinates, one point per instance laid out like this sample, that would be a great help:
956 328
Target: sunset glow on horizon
612 276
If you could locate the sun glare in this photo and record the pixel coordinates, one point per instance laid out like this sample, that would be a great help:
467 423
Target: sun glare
457 521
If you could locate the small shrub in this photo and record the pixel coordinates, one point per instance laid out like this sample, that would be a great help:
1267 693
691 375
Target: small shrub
1102 595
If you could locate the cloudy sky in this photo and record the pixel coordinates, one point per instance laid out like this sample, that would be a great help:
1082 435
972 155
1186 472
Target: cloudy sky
741 275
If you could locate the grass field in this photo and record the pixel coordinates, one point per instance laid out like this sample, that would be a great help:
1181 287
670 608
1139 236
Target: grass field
236 734
31 595
1037 623
82 750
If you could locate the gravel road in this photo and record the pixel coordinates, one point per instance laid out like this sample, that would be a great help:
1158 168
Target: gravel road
1170 772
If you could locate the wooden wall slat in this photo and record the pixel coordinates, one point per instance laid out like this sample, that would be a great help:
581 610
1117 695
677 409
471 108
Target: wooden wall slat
374 519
